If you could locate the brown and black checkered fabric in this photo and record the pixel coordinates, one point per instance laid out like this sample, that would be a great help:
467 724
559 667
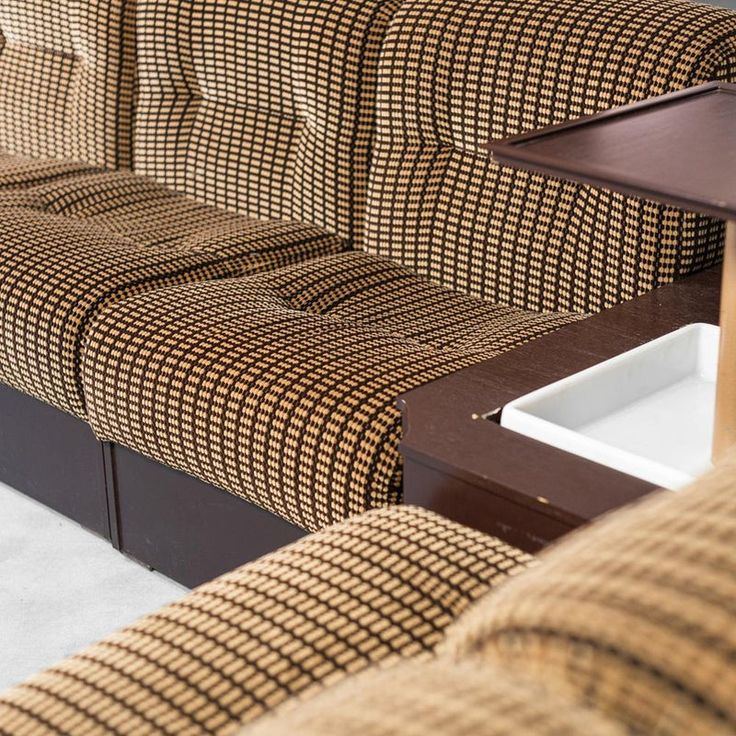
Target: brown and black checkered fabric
75 238
264 108
627 627
67 79
267 108
378 588
635 618
455 74
281 387
441 698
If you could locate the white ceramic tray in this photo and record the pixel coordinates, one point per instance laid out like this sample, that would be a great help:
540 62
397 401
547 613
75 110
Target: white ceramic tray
647 412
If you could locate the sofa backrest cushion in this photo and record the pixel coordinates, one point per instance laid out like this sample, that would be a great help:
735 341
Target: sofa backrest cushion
634 617
66 79
443 698
265 107
455 74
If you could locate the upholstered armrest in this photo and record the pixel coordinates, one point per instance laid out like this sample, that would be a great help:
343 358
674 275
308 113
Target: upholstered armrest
456 75
373 589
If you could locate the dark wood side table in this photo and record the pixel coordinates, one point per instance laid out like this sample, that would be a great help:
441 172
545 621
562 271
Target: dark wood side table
461 463
678 149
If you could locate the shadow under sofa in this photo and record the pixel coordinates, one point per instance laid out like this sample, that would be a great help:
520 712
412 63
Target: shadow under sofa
438 235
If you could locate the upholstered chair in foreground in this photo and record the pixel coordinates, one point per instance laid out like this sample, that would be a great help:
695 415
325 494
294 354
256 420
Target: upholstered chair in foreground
625 627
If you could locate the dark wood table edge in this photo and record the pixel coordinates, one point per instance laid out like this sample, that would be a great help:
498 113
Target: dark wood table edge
445 429
513 152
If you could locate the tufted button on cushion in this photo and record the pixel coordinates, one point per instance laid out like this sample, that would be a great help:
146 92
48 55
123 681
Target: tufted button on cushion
281 387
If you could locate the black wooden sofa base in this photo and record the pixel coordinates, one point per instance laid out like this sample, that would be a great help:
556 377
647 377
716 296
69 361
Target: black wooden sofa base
170 521
53 457
187 529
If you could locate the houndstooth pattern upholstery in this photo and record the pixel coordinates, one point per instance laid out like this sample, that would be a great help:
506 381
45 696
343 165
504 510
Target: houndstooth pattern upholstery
75 237
281 387
378 588
455 74
267 108
66 79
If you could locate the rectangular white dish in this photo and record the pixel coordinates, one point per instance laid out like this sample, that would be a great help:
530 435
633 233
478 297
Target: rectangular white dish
648 412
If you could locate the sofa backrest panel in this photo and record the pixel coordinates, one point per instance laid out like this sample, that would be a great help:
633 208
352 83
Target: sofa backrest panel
66 79
455 74
265 107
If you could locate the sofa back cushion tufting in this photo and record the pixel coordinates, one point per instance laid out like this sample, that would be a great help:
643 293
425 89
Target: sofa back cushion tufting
66 79
455 74
264 107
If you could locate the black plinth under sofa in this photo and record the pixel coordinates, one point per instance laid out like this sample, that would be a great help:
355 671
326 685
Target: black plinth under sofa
234 232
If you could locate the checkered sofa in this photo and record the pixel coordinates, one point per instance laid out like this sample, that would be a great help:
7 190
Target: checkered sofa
233 232
280 386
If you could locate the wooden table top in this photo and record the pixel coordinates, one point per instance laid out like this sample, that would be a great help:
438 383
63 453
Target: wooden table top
677 149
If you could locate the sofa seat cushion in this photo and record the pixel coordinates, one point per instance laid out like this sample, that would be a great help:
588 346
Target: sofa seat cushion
21 173
375 589
75 237
281 387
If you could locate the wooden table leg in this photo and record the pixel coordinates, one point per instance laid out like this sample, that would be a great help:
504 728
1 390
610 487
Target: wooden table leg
725 427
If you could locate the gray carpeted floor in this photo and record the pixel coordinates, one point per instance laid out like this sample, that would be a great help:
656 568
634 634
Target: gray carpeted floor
62 587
